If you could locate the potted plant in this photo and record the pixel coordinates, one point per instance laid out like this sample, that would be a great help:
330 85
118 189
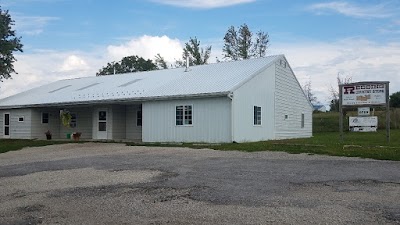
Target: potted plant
48 134
66 117
76 135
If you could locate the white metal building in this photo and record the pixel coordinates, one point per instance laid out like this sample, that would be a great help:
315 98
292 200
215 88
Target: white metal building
248 100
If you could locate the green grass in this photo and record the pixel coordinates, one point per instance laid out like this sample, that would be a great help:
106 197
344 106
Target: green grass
326 141
364 145
7 145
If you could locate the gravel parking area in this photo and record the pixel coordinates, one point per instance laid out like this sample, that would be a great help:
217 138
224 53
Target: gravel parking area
102 183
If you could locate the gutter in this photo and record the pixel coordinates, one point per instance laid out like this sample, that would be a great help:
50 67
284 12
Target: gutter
125 100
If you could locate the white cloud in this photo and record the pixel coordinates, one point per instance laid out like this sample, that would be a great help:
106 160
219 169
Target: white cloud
352 10
203 4
357 58
73 63
46 66
147 47
32 25
319 62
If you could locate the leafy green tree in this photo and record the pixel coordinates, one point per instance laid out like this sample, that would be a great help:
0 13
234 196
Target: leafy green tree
128 64
245 42
240 44
395 100
9 43
196 54
231 47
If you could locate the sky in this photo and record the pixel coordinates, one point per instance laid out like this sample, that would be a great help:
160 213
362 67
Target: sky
321 39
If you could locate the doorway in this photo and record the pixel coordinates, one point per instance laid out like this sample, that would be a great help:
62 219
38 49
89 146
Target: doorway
102 124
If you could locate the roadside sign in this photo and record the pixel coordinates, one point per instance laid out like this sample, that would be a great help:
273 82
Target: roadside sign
363 111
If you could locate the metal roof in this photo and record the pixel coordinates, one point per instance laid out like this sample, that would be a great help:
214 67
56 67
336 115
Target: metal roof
205 80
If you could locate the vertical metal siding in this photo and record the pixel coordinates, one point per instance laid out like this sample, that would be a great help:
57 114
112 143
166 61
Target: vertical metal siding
258 91
133 132
118 122
18 130
83 123
2 123
38 128
290 101
211 121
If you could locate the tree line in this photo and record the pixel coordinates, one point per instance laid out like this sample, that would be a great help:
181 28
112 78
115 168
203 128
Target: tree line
239 43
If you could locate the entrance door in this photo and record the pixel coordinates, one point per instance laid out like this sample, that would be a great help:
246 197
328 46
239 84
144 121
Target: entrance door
102 124
6 132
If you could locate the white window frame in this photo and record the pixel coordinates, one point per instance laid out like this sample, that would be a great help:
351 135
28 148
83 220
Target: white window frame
137 118
4 125
73 123
183 115
48 117
255 120
21 117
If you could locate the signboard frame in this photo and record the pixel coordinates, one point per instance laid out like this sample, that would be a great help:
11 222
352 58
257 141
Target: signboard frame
369 101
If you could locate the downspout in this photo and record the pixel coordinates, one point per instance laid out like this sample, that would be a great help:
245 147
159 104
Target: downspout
230 96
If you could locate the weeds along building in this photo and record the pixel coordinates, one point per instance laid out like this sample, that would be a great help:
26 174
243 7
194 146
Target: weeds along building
239 101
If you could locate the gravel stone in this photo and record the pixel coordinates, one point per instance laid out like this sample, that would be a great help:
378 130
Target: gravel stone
103 183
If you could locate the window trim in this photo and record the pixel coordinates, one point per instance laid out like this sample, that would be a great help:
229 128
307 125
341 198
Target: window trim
183 119
48 117
76 120
137 118
254 118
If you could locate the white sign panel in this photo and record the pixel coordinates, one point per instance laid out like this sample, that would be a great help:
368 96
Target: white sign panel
363 124
370 121
363 94
363 111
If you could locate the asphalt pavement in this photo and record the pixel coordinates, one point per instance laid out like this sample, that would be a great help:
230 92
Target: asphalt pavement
102 183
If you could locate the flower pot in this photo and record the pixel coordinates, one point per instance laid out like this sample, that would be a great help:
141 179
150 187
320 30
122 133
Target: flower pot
48 137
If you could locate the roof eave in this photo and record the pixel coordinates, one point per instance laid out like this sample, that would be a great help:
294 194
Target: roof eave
116 101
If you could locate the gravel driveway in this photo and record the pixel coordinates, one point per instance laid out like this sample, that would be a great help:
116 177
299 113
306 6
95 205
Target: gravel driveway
98 183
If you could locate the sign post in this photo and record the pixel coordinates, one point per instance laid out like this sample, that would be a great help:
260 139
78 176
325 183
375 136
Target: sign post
364 94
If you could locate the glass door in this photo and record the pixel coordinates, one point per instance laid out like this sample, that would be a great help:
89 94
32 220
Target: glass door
102 124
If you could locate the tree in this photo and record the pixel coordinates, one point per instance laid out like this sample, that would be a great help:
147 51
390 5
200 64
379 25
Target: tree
240 44
160 62
261 44
128 64
195 54
309 94
244 42
334 104
9 43
395 100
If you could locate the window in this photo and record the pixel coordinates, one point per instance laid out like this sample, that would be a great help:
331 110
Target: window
302 120
72 124
286 117
184 115
139 118
257 115
21 119
45 117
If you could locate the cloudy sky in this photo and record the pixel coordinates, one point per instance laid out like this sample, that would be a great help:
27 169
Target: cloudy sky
321 39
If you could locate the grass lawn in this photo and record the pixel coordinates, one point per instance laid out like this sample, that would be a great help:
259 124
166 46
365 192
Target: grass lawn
364 145
16 144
